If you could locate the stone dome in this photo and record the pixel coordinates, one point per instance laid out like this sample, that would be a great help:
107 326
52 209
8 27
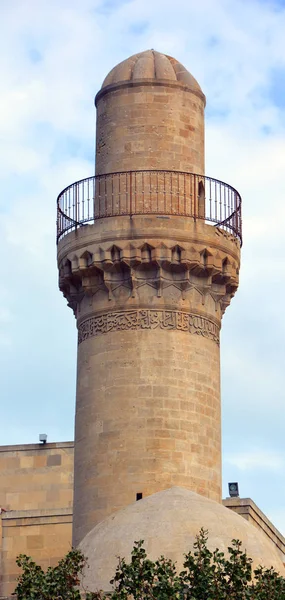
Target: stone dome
152 65
168 522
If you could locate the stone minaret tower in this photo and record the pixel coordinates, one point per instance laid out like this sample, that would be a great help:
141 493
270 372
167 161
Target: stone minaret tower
148 256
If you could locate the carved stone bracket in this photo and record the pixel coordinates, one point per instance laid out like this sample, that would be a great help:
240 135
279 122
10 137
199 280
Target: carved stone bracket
148 319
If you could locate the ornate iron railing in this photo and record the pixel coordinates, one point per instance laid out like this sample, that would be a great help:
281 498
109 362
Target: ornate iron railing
149 192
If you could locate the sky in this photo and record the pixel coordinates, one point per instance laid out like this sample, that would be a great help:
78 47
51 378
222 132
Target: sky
54 55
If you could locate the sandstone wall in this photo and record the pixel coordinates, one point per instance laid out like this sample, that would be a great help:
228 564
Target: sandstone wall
249 511
148 418
36 493
45 535
149 126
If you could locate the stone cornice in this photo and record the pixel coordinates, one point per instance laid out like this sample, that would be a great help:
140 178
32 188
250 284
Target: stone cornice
124 268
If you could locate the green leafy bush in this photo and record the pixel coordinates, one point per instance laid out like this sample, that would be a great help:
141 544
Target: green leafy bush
206 576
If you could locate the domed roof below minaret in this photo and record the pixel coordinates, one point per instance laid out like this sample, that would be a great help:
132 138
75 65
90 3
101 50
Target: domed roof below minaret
152 65
168 522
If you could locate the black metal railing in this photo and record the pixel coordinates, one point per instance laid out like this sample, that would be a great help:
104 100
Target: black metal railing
149 192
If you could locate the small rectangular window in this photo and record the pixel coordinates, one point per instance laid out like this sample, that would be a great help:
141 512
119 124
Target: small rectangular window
139 495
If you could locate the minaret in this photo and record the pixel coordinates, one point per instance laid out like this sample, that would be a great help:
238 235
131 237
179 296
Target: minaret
148 257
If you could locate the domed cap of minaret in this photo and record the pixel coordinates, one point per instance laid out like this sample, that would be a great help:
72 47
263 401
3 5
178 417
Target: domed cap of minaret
153 67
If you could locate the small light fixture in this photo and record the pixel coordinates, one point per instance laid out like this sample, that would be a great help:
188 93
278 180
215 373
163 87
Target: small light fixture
43 438
233 489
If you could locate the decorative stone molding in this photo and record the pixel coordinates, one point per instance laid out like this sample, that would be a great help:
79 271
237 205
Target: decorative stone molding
133 264
194 257
148 319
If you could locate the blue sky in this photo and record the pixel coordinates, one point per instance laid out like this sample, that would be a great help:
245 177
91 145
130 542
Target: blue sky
54 56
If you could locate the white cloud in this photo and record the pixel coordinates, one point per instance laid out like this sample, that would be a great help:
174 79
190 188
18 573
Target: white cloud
256 459
5 315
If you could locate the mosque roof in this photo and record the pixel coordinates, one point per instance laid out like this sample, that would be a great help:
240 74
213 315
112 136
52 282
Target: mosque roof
168 522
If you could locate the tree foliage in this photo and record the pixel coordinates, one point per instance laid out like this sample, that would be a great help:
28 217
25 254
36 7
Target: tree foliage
206 576
57 583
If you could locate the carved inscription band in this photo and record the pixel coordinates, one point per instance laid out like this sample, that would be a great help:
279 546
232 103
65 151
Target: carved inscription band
147 319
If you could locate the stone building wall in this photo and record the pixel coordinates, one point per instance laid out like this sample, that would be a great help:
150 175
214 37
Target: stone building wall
36 496
36 476
45 535
249 511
